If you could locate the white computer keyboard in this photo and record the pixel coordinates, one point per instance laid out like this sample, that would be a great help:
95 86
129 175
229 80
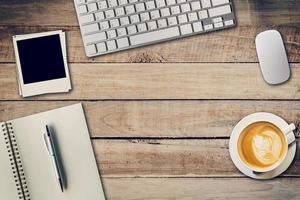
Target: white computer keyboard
113 25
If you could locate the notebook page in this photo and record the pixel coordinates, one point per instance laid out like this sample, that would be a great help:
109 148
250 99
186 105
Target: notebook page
8 189
80 169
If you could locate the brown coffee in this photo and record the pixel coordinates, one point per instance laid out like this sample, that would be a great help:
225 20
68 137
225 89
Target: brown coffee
261 145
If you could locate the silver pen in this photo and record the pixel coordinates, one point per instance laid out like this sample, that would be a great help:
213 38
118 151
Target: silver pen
48 137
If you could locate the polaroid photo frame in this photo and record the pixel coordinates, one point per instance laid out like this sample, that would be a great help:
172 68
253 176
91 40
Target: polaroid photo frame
56 85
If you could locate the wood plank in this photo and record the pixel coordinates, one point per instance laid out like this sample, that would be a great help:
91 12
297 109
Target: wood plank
168 81
170 158
232 45
160 119
201 188
62 12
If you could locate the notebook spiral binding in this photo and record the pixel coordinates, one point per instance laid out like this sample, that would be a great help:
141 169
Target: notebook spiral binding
15 161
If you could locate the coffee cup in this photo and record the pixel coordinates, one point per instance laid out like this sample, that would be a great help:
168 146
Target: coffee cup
263 141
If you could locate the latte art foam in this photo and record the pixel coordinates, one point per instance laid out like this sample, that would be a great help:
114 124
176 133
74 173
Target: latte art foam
266 147
261 145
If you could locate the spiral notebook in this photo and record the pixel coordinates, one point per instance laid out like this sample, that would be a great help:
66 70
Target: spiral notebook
26 171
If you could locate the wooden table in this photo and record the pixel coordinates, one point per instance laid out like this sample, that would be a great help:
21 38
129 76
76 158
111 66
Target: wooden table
160 117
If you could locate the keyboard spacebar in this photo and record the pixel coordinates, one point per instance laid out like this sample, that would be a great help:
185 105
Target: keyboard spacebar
154 36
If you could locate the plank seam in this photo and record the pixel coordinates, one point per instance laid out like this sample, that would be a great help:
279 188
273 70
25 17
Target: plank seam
161 63
139 100
192 177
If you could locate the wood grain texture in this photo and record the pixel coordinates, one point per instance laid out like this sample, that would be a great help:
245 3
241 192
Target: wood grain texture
160 131
159 119
231 45
171 158
62 12
201 188
162 81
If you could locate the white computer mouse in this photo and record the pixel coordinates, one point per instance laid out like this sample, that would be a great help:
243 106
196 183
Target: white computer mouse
272 57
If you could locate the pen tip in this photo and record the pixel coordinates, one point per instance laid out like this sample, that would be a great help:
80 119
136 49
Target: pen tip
61 186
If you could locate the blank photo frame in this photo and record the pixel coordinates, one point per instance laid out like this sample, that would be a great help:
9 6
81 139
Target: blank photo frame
42 63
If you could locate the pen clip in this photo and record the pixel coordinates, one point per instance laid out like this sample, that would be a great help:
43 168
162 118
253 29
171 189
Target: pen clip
47 141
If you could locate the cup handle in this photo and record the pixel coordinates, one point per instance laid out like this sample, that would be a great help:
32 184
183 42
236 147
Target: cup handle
288 131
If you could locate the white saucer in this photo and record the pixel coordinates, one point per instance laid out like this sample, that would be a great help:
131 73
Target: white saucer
233 146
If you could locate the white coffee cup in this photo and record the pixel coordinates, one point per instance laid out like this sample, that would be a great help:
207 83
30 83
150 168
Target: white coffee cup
285 128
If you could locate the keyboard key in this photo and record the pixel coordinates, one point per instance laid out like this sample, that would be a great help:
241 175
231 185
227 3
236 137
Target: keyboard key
172 21
134 19
142 27
95 37
90 49
90 28
197 26
124 21
229 22
205 3
203 14
185 7
82 9
219 2
195 5
122 2
182 19
140 7
154 14
123 42
162 23
165 12
152 25
129 9
218 24
99 15
145 16
121 32
111 34
111 45
186 29
104 25
120 11
87 18
101 47
171 2
160 3
208 27
92 7
102 5
222 10
218 19
192 16
114 23
154 36
109 14
175 10
131 29
150 5
112 3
